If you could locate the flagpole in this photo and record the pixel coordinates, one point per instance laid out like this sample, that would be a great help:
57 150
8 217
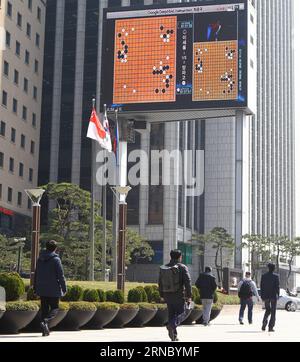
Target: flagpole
104 212
116 209
92 221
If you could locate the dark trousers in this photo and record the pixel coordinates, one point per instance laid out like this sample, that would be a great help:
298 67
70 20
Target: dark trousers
246 303
49 308
270 305
177 313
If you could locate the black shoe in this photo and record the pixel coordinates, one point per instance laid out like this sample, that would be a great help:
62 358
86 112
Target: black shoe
171 332
271 330
242 323
263 328
45 329
250 323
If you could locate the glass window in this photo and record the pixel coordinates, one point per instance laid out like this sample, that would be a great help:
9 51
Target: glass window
30 4
36 66
13 135
27 57
16 77
2 128
28 30
4 98
34 120
39 14
32 147
18 48
8 39
37 40
6 68
19 20
24 113
21 169
1 159
30 178
25 85
15 106
9 194
23 141
19 198
11 164
9 9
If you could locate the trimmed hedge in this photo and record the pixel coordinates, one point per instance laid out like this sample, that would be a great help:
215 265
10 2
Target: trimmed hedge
115 296
101 295
74 294
195 294
83 306
147 306
13 285
22 306
91 295
107 306
129 306
31 295
137 295
161 306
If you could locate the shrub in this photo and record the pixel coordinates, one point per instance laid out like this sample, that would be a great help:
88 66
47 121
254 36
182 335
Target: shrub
90 295
149 291
110 295
107 306
64 306
199 301
83 306
129 306
74 294
195 294
115 296
101 295
144 296
137 295
217 306
147 306
31 295
13 285
22 306
161 306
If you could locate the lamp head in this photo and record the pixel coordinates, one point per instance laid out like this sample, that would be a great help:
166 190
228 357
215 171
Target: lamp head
35 195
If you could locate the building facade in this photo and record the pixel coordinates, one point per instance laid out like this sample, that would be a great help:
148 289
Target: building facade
166 216
21 76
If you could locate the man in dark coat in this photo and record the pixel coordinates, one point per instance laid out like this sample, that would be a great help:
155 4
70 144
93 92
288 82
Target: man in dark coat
207 286
49 283
269 294
175 287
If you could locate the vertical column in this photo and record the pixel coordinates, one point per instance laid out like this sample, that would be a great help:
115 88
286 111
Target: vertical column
171 194
240 117
58 59
78 96
125 2
144 190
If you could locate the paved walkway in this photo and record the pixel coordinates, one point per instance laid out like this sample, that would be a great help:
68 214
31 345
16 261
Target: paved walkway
224 329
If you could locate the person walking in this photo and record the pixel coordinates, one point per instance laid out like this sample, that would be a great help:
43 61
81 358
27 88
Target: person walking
175 287
247 290
206 283
49 284
270 290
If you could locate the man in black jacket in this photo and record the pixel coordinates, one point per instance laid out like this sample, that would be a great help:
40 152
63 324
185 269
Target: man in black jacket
175 288
269 294
49 283
207 286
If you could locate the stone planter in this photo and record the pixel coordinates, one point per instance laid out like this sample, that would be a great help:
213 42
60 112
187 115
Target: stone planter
195 315
124 316
75 319
34 326
13 321
144 316
161 318
101 318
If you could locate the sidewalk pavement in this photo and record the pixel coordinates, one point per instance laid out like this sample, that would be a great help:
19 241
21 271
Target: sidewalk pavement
225 328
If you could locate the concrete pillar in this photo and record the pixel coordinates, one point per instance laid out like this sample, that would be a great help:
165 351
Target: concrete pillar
78 92
57 79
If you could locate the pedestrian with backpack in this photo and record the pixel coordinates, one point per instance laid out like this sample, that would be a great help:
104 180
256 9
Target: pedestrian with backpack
206 283
175 287
247 290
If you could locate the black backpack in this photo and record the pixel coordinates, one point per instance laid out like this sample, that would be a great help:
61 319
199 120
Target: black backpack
170 279
246 290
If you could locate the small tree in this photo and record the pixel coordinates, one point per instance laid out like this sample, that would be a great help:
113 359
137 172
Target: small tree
291 250
278 244
257 246
221 241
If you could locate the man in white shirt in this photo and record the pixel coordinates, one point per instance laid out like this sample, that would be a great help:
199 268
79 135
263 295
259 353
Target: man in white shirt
247 290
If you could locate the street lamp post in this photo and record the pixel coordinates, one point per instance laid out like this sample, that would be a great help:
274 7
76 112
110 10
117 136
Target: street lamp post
35 196
20 242
122 192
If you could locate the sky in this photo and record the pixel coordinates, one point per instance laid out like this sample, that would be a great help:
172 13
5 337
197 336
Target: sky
297 89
